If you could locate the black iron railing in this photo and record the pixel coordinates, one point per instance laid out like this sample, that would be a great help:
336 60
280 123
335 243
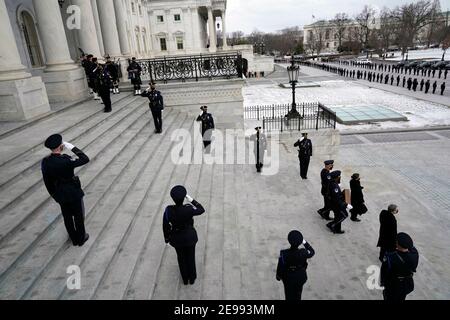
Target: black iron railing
196 67
314 116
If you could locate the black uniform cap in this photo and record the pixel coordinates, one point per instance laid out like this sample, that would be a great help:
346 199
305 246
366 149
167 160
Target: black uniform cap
295 238
405 241
53 142
335 174
178 193
328 162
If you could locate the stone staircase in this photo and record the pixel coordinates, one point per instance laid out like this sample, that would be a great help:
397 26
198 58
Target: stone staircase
127 186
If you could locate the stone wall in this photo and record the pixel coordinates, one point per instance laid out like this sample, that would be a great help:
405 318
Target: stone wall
223 97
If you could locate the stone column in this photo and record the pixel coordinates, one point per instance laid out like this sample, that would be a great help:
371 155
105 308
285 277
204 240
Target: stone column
87 35
212 31
21 95
65 81
109 27
53 36
98 27
224 32
122 27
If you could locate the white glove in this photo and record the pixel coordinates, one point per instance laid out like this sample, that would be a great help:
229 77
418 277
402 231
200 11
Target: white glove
189 198
304 241
68 145
349 207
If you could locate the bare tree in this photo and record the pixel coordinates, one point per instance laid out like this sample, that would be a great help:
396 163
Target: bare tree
340 21
237 37
387 30
411 18
365 19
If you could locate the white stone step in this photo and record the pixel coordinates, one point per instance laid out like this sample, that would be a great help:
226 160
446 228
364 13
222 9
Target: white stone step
13 146
113 160
14 216
212 277
18 187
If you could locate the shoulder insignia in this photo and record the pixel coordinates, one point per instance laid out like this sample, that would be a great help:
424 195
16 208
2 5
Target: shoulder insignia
336 190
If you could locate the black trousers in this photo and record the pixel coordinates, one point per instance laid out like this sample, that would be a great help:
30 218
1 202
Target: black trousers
326 206
186 263
136 84
304 165
157 119
293 289
73 214
339 217
106 98
397 290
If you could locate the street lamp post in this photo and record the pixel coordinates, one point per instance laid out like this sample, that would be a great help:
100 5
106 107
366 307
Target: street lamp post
293 73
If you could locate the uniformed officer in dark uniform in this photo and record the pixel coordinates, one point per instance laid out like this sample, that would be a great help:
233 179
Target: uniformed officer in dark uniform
260 146
64 187
325 178
104 87
305 153
398 268
134 74
207 121
179 231
337 204
292 265
113 70
156 105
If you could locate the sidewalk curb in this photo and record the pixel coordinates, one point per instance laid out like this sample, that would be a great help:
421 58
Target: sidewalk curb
400 130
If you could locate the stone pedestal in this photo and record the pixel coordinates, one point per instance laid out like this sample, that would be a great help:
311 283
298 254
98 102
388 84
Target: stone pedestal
223 97
66 86
23 99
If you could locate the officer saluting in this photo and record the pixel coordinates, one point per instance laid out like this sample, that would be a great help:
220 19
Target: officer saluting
304 154
64 186
398 268
292 265
337 203
325 178
156 105
207 121
179 231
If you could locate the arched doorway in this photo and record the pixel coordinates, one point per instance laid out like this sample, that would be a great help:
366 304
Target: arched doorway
31 39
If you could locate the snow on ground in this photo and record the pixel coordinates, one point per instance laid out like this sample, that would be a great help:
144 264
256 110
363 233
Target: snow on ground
338 92
429 54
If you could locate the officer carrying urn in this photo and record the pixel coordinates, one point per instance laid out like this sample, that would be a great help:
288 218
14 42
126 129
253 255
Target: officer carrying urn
337 203
292 265
64 187
179 231
305 153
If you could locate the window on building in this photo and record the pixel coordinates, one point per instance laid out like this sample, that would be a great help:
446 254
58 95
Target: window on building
160 18
31 40
163 44
140 10
133 8
177 17
138 42
328 44
327 34
180 44
144 41
335 44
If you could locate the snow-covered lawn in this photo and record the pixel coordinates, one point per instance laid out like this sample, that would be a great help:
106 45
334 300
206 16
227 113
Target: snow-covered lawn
428 54
419 113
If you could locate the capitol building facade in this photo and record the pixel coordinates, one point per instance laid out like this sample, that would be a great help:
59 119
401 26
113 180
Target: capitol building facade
42 41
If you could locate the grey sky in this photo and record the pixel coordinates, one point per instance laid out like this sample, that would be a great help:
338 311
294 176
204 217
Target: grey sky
272 15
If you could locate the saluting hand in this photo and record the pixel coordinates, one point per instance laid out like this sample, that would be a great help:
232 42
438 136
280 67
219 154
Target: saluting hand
68 145
189 198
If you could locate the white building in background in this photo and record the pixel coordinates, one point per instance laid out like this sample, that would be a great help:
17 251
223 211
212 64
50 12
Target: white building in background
42 41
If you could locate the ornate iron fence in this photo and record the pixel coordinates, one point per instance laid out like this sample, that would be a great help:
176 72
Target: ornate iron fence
196 67
314 116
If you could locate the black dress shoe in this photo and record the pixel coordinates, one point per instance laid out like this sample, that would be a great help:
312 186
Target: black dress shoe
86 238
356 220
339 232
186 282
191 281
